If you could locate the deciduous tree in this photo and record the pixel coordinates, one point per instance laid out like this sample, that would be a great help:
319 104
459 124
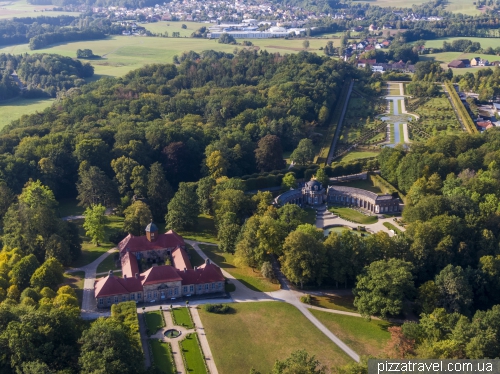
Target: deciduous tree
95 222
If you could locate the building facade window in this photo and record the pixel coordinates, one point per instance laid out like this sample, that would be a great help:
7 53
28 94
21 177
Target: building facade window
116 299
149 295
199 288
185 289
170 292
155 294
206 286
139 296
109 300
191 288
101 301
124 298
132 296
219 285
176 291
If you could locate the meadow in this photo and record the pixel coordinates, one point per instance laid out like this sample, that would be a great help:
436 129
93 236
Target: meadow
121 54
21 8
455 6
260 329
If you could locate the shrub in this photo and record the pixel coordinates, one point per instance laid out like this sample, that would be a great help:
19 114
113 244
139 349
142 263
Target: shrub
267 270
217 308
306 299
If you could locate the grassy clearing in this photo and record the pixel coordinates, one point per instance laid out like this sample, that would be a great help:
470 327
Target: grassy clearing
204 232
154 321
91 252
401 133
251 278
182 317
356 155
266 332
365 338
353 215
400 108
390 226
15 108
194 257
344 303
340 230
193 356
75 280
364 184
69 207
21 8
162 357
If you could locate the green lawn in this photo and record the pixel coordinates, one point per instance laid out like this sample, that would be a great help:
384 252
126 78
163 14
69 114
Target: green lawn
15 108
353 215
194 257
91 252
154 321
193 357
204 232
344 303
251 278
390 226
108 264
391 107
182 317
356 155
365 338
401 133
162 357
75 280
391 133
257 334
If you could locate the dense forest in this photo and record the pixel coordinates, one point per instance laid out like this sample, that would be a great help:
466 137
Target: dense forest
41 74
175 115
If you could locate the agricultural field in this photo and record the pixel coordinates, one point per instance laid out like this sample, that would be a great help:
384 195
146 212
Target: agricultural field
121 54
364 337
245 274
261 328
21 8
455 6
436 115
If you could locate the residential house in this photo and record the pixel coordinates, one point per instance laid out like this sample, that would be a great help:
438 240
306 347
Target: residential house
456 64
362 62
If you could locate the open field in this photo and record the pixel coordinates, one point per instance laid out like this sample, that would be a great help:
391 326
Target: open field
75 280
15 108
257 332
252 278
446 57
455 6
205 230
154 321
90 252
193 356
485 42
182 317
161 356
21 8
353 215
365 338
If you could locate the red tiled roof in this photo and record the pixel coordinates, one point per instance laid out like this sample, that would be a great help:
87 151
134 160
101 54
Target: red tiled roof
206 273
129 265
140 243
485 124
160 274
112 285
180 259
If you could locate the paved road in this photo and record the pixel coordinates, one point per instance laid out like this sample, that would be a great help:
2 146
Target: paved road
338 130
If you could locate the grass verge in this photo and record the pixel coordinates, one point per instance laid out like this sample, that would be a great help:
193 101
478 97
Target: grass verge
353 215
391 134
365 338
205 230
251 278
342 303
154 321
182 317
108 264
262 333
162 356
390 226
192 354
